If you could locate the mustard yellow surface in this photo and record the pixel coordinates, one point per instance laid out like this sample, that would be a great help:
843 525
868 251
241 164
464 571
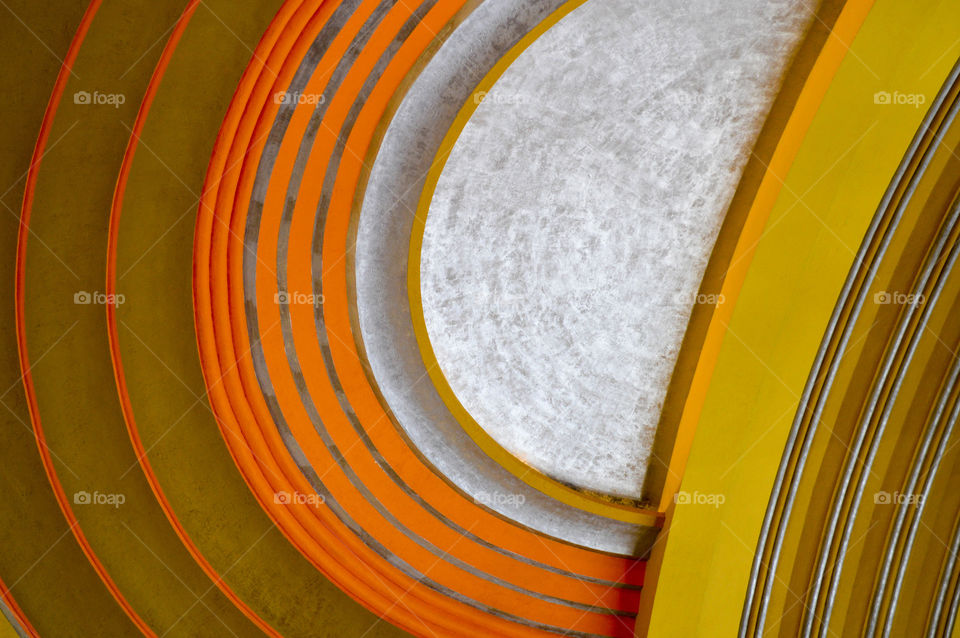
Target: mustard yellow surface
159 348
40 561
829 195
6 629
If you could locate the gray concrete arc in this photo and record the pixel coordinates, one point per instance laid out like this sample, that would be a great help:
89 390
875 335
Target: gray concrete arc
253 223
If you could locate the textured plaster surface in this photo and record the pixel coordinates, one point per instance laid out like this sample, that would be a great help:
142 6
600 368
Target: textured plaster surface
383 309
571 226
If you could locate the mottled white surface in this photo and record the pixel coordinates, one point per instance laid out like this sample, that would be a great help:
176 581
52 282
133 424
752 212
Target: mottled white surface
396 180
573 221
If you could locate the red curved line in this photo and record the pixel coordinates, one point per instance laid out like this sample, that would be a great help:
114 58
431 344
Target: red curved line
22 352
22 619
114 338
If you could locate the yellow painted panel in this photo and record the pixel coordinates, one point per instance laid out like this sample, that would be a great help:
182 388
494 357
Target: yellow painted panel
6 629
828 197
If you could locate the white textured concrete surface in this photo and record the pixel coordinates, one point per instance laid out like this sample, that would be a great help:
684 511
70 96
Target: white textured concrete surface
383 309
571 226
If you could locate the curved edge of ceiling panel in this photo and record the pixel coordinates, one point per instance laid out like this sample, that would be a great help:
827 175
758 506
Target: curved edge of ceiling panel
112 326
43 566
389 334
253 565
913 237
805 86
165 606
25 366
17 622
618 509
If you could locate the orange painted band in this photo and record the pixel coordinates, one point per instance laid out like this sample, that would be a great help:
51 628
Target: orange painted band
302 236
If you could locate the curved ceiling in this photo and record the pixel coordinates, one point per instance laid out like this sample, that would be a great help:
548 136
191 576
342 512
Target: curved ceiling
285 357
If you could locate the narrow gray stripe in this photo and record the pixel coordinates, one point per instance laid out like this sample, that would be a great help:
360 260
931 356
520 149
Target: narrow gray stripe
904 508
253 220
886 406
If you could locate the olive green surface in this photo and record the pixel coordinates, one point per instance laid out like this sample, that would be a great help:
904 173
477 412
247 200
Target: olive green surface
68 344
40 560
158 343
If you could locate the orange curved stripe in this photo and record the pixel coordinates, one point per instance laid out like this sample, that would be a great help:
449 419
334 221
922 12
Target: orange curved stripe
265 297
22 352
234 389
301 269
332 555
392 591
270 447
299 279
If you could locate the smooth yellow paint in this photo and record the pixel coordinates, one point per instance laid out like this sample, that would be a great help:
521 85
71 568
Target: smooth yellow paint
829 195
582 499
6 629
805 108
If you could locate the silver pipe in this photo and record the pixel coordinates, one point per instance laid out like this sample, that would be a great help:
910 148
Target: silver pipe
915 523
911 485
945 579
832 326
886 407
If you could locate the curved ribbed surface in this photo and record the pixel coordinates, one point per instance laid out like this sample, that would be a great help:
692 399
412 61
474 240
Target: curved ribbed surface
865 461
288 384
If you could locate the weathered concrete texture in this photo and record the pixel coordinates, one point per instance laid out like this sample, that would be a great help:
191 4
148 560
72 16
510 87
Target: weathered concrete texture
573 221
383 239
